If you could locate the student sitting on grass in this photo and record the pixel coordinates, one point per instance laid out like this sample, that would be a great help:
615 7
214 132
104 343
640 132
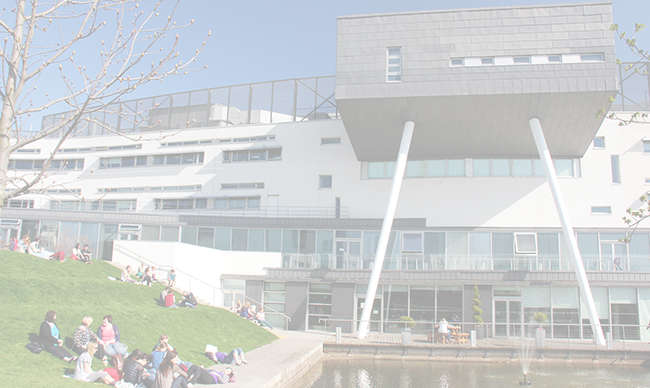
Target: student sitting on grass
82 335
188 300
84 372
170 374
50 338
199 375
134 371
235 356
109 335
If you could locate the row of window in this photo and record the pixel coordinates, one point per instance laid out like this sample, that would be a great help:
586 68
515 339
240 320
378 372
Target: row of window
20 203
152 160
102 148
99 205
242 185
251 139
471 167
28 150
601 251
149 189
220 203
526 60
55 165
252 155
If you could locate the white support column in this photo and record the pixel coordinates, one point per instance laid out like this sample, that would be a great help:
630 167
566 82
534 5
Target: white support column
567 228
400 168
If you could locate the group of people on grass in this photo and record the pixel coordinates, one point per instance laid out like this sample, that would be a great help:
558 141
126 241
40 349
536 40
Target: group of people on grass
25 245
162 368
79 253
146 275
251 312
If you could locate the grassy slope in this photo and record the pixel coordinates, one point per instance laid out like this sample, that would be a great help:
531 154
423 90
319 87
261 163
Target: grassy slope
30 286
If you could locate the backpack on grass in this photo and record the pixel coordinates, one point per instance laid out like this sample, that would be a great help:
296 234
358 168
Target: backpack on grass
34 347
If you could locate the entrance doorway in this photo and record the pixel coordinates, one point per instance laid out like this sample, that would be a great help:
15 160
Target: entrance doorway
507 318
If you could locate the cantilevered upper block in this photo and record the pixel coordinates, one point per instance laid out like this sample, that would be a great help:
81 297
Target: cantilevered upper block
471 79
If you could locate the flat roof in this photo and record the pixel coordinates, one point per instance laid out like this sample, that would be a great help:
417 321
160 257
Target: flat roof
370 15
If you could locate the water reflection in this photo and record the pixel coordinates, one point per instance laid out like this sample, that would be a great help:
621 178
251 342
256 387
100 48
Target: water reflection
422 374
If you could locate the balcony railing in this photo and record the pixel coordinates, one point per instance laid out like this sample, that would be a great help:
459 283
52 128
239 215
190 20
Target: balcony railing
421 262
298 99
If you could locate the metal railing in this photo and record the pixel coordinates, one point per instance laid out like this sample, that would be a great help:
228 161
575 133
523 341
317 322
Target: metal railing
271 311
389 331
285 210
204 291
422 262
281 101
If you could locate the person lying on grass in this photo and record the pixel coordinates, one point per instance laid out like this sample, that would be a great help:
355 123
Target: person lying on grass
235 356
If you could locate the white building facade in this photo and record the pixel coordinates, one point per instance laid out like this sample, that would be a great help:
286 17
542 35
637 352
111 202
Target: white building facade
285 166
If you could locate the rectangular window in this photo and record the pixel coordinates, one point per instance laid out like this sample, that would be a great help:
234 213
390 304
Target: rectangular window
599 142
330 140
563 167
487 61
601 210
393 64
522 167
555 58
324 181
500 167
412 242
595 57
521 60
646 146
616 169
275 154
526 243
481 167
457 62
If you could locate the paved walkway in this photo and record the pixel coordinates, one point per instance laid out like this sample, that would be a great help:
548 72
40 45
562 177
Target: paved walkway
276 364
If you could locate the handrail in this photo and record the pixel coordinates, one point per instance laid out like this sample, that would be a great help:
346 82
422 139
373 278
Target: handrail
268 308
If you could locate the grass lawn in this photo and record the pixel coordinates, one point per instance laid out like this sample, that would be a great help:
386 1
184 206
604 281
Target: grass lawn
29 286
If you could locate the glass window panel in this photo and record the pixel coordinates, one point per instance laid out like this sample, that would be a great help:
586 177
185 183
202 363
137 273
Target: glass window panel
275 154
239 239
150 233
307 241
435 168
169 233
500 167
457 243
456 167
237 203
502 250
221 203
253 202
273 240
256 240
325 240
290 241
257 154
481 167
522 167
416 168
479 244
588 246
434 243
376 170
536 297
538 168
563 167
412 242
206 237
324 181
188 234
622 295
599 142
564 297
616 169
222 238
640 252
173 159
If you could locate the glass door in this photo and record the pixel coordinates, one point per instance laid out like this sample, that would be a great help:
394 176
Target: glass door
507 318
348 254
614 256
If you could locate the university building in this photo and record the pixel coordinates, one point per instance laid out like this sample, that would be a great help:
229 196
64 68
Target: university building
304 167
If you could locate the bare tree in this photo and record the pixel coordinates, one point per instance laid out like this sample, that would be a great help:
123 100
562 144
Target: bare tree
97 51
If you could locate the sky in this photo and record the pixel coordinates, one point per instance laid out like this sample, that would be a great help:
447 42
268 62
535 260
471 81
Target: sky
281 39
262 41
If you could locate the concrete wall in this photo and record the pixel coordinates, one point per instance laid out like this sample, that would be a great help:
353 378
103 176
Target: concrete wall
429 39
343 306
296 304
198 269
